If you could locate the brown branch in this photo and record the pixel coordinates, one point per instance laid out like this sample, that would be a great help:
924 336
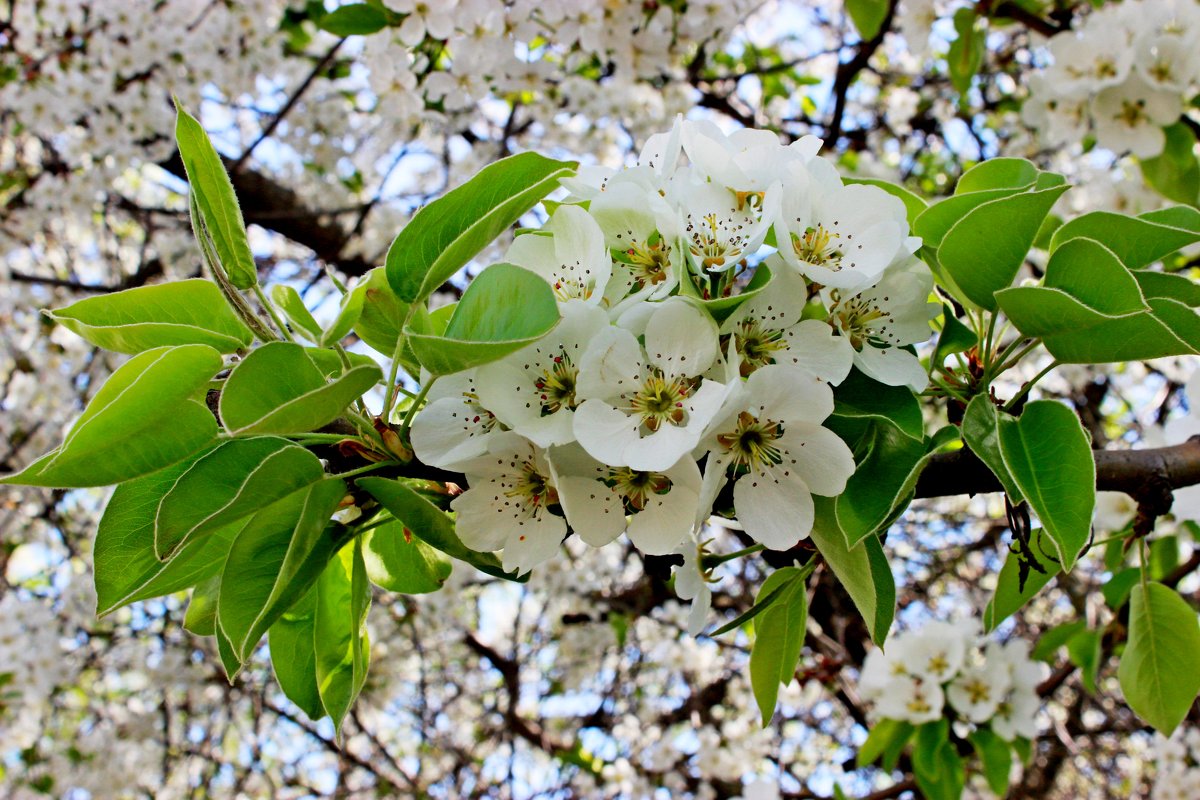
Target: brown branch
848 71
1133 472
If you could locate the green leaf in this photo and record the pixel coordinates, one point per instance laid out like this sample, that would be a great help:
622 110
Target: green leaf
981 432
998 173
937 766
145 417
354 19
450 231
398 562
229 658
967 50
863 571
1136 241
292 305
761 604
1051 641
126 567
505 308
1084 651
935 221
984 250
230 482
913 203
1158 668
1117 588
349 311
1049 455
1010 596
778 638
886 735
201 616
343 652
884 480
868 16
276 559
996 757
860 397
383 314
279 389
1168 285
218 205
181 312
1175 174
294 655
954 338
429 524
721 308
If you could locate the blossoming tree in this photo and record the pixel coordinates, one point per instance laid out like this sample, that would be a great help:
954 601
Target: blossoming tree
594 401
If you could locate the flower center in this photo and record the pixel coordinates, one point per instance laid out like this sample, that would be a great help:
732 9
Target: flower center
661 400
861 321
477 413
818 246
938 663
977 691
557 385
918 704
532 489
1132 113
756 344
636 487
650 263
753 443
715 241
573 281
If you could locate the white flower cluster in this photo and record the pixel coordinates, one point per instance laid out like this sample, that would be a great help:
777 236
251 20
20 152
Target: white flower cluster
919 671
1178 765
31 658
1128 70
655 366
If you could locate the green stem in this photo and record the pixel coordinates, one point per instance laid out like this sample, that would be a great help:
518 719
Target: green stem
368 468
1012 403
270 309
717 559
317 437
989 340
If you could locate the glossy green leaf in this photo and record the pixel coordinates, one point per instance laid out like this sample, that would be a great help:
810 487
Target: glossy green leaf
1092 310
967 50
201 616
274 561
885 736
778 638
126 568
981 432
884 480
278 389
382 320
1010 596
913 203
399 562
230 661
1175 173
954 338
505 308
292 305
354 19
984 250
1158 668
863 571
1136 241
450 231
227 484
294 655
860 397
868 16
145 417
343 651
167 314
215 198
349 310
940 217
1049 455
937 766
1084 649
998 173
996 756
429 523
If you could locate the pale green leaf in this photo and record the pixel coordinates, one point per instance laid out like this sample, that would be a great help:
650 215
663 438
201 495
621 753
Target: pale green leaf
778 637
399 562
1158 668
343 595
863 571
